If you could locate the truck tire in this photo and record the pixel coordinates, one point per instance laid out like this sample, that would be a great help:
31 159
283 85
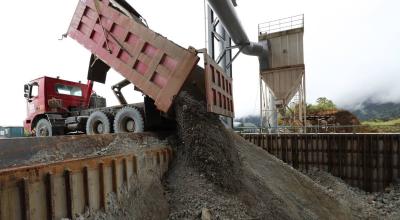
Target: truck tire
128 119
43 128
98 123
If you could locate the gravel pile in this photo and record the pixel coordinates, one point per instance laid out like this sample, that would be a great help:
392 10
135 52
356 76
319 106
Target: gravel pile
189 193
387 203
217 171
119 144
382 205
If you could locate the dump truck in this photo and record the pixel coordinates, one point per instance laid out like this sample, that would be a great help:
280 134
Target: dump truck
118 37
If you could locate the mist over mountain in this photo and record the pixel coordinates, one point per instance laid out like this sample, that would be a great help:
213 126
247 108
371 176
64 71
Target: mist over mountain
371 109
254 119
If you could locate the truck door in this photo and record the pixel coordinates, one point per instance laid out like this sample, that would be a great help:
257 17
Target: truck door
33 105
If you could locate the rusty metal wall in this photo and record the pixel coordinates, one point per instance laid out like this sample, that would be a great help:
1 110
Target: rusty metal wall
367 161
65 189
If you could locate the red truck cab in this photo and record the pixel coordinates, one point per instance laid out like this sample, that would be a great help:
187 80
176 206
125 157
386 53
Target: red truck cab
47 96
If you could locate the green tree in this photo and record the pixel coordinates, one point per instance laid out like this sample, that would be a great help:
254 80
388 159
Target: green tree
323 104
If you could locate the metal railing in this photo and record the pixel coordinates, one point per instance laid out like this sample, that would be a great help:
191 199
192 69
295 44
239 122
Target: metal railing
283 24
321 129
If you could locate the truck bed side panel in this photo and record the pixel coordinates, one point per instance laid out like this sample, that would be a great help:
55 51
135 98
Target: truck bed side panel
218 89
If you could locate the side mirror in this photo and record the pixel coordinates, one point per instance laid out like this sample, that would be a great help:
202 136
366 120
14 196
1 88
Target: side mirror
27 91
26 88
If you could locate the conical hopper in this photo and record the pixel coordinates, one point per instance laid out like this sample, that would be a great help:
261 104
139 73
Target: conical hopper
284 83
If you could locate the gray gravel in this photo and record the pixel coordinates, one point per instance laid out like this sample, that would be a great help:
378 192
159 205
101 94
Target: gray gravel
189 192
219 171
122 143
378 205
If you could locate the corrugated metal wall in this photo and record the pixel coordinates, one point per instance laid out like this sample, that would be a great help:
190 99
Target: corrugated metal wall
367 161
286 48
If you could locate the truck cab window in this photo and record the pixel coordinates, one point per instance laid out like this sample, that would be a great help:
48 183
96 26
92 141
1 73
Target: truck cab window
68 90
34 90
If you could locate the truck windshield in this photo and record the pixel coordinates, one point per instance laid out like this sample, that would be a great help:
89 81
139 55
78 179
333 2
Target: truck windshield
68 90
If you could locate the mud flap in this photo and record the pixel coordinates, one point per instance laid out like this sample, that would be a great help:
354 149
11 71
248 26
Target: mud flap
57 122
97 70
154 118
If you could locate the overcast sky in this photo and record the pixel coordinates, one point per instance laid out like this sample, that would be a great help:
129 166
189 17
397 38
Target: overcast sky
352 48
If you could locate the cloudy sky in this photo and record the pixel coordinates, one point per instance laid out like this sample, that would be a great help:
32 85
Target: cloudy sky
352 48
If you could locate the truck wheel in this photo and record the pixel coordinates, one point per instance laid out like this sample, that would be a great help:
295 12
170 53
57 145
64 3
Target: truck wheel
43 128
98 123
128 119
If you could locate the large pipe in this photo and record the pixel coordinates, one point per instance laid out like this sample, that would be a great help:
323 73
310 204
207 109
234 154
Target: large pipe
228 17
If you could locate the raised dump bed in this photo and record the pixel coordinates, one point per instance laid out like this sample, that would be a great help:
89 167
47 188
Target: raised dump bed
154 64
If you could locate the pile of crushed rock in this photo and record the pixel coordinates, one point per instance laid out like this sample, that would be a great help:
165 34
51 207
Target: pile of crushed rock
218 171
379 204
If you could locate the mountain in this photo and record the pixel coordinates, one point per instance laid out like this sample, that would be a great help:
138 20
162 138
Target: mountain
383 111
250 119
367 110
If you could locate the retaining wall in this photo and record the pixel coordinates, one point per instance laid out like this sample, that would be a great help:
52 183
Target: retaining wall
65 189
367 161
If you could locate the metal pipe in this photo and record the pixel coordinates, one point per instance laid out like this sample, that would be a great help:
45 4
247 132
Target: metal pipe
228 17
